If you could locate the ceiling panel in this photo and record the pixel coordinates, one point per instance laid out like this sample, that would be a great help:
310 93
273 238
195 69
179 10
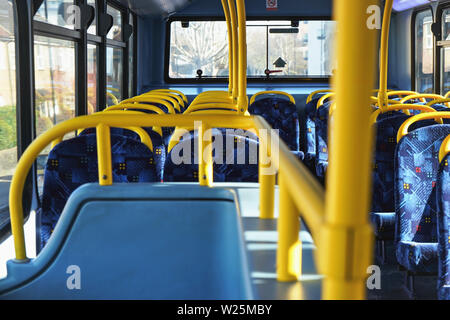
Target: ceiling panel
155 7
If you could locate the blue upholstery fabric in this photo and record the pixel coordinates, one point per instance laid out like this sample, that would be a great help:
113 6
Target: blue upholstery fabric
239 165
308 134
159 148
417 167
322 140
281 114
73 163
443 205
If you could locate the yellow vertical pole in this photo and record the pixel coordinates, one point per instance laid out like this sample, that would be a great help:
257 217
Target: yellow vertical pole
104 155
289 246
346 239
266 182
226 11
384 55
205 160
242 96
234 47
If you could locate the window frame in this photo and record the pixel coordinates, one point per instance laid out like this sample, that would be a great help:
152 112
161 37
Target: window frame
224 80
416 12
440 44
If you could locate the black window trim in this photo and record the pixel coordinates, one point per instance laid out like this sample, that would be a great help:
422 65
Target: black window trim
439 71
224 80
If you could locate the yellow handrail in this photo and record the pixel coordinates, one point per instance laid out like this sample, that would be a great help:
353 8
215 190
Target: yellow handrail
403 131
151 99
447 95
291 98
234 48
113 97
181 94
401 93
180 101
163 96
210 105
384 54
311 96
346 238
226 11
396 107
445 149
242 36
301 181
420 96
436 101
323 98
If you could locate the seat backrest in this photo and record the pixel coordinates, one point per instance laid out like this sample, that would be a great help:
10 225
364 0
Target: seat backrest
281 114
443 205
387 126
73 163
321 121
236 159
308 133
416 169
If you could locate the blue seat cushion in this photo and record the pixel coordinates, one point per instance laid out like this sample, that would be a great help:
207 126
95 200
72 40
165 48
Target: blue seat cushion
419 257
384 224
308 133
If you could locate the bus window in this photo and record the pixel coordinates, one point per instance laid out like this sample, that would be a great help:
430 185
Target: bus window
445 52
8 138
202 45
57 12
54 63
303 51
114 65
92 77
424 65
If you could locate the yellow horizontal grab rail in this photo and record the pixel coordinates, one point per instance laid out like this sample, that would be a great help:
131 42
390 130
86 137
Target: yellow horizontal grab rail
180 101
421 96
205 106
175 103
403 131
375 101
436 101
281 93
311 96
445 149
311 204
447 95
324 98
212 99
151 99
397 107
401 93
138 106
181 94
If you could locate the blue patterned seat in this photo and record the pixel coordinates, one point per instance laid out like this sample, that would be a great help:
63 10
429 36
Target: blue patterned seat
321 120
416 165
443 205
240 164
308 134
159 148
73 163
281 114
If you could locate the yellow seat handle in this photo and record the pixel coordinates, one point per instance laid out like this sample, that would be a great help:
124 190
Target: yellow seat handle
151 99
401 93
311 96
181 94
445 149
205 106
403 131
179 99
281 93
421 96
324 98
436 101
164 96
404 107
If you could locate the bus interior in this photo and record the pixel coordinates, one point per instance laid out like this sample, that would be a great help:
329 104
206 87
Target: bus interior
225 149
